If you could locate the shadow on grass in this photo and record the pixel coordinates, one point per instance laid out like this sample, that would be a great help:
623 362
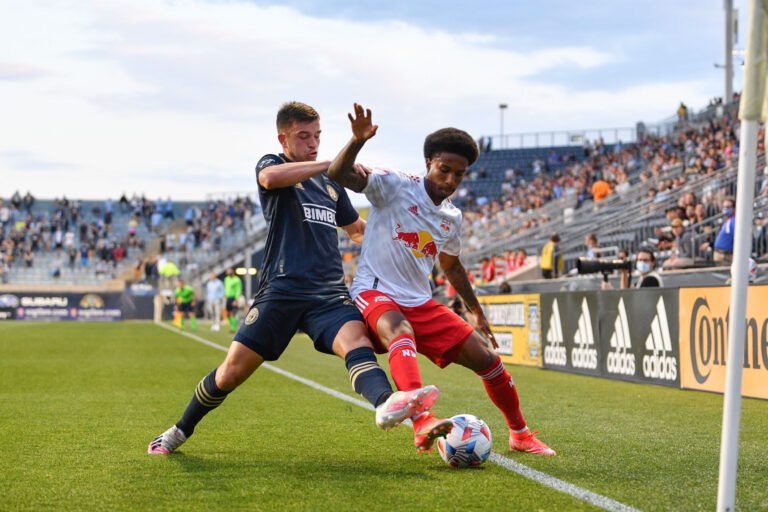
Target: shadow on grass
222 466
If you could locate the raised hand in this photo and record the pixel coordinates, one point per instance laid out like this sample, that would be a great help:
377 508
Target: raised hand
362 125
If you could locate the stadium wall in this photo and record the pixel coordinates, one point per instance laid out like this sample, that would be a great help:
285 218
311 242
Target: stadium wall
669 337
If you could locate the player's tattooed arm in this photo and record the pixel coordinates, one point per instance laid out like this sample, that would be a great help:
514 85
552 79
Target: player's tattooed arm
343 169
457 275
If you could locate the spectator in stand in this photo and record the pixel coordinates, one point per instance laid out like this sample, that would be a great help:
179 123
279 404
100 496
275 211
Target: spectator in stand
168 213
505 288
522 257
600 189
72 255
683 249
124 206
29 258
724 241
57 264
593 247
645 262
29 202
551 259
488 269
510 263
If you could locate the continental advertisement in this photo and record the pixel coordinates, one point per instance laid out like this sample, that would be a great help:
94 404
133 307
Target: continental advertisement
704 323
516 323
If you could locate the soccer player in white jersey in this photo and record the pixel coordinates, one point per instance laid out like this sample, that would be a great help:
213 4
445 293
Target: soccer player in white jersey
411 224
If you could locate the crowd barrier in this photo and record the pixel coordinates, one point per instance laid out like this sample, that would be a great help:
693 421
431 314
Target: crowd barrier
669 337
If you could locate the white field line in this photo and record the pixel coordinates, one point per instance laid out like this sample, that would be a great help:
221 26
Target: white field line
577 492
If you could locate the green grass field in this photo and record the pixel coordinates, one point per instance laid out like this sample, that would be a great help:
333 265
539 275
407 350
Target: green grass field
80 402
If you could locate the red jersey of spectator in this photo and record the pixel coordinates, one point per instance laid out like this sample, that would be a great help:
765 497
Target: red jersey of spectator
450 291
489 269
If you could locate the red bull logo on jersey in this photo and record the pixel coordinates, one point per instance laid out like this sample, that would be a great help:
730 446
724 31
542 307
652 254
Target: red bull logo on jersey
420 243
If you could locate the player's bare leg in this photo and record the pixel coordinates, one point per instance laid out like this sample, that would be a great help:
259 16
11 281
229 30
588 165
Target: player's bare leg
353 345
478 356
210 392
394 331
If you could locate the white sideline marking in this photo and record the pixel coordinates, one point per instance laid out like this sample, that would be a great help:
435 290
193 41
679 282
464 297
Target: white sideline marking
577 492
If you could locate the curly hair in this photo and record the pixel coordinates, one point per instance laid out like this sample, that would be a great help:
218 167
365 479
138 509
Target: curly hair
451 140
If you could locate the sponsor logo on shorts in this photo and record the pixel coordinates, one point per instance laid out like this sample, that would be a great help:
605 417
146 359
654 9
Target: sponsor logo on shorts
382 298
252 316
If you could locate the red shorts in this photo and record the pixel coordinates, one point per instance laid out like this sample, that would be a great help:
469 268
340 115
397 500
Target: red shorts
440 333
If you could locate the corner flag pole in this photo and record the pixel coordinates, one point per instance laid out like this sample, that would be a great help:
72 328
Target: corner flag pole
751 112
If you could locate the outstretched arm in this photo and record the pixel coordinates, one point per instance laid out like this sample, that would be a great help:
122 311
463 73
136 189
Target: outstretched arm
456 274
289 174
342 169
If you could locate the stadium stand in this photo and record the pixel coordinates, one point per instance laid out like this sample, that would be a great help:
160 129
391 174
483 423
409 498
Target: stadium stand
688 172
513 200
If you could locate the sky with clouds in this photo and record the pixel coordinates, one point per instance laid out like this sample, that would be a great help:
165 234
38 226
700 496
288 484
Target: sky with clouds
178 97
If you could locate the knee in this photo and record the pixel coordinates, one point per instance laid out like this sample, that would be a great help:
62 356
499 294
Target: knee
229 376
352 343
393 330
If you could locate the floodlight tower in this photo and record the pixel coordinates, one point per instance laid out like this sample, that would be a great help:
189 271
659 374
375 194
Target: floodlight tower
728 5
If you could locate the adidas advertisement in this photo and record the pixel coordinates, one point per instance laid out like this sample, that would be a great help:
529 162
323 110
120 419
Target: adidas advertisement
570 332
704 322
638 335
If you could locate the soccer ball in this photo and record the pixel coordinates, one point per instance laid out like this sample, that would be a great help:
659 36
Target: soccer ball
468 444
751 270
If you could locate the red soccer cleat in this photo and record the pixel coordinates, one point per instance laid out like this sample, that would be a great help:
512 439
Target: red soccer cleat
427 428
528 443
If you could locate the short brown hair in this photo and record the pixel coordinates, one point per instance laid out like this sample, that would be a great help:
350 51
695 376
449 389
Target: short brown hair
295 111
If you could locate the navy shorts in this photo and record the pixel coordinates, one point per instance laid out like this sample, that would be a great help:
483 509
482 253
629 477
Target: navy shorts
270 324
185 307
231 305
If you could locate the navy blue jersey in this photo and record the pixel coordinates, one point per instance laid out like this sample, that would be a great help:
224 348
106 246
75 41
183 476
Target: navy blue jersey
301 257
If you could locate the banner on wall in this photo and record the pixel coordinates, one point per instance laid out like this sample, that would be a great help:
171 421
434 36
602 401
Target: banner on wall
638 335
55 306
703 335
570 332
625 334
516 323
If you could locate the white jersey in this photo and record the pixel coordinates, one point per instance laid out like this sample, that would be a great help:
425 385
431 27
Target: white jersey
405 231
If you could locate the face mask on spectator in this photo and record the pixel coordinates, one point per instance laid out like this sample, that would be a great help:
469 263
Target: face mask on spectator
727 211
644 267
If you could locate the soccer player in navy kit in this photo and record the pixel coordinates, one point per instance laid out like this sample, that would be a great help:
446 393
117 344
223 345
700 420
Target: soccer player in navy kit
301 285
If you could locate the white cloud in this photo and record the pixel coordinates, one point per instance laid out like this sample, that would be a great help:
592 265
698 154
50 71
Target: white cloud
179 97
